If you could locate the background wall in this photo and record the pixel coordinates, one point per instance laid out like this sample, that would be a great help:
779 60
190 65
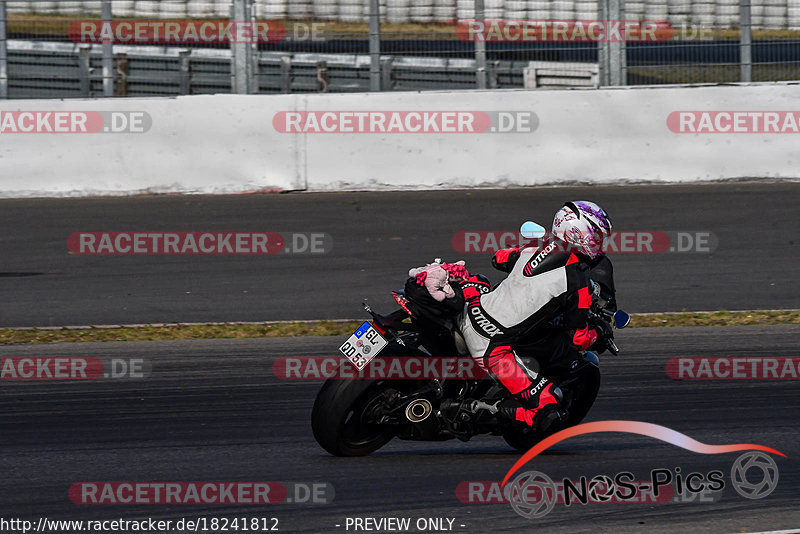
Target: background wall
226 143
771 14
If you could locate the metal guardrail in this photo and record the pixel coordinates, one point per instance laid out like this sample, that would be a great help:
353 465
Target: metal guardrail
553 74
63 70
37 69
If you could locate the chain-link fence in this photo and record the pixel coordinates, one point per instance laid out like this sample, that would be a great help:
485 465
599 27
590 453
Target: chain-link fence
170 47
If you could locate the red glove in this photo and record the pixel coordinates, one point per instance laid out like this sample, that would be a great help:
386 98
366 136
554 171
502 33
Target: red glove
585 338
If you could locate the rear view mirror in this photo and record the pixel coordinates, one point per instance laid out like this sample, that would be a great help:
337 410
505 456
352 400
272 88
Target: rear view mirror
621 319
531 230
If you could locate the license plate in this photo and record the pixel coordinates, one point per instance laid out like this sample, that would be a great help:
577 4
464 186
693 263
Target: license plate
363 345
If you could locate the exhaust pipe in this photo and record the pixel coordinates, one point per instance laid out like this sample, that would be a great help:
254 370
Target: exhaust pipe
418 410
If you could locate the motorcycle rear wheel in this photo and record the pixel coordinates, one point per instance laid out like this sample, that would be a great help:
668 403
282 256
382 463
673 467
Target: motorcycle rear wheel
338 418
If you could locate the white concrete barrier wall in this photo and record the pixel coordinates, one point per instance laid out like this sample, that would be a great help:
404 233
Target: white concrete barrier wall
203 144
226 143
589 136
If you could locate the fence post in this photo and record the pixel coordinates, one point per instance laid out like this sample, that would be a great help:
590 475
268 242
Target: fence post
286 74
617 56
480 45
493 74
121 81
242 52
85 69
255 84
185 65
602 46
374 45
108 54
387 81
745 41
3 51
611 55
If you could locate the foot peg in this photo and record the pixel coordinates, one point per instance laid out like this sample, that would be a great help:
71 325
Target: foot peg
467 411
480 405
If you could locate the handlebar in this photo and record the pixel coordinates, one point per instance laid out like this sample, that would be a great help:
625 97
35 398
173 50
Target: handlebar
618 319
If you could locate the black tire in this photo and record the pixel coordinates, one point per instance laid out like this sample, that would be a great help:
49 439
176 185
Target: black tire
522 438
584 395
583 391
336 418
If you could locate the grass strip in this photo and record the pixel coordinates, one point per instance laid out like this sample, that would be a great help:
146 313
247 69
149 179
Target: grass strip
13 336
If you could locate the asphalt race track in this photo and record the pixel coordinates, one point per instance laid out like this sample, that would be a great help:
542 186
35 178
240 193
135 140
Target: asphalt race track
377 237
213 411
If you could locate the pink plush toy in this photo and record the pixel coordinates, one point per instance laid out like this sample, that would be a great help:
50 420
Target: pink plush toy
436 276
457 270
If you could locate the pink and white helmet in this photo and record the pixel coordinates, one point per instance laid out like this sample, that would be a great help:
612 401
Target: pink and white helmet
584 225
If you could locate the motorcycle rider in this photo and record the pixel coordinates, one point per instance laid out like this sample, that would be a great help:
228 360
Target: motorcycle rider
545 281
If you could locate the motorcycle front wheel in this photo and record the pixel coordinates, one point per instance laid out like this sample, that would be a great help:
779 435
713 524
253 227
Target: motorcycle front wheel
522 438
581 391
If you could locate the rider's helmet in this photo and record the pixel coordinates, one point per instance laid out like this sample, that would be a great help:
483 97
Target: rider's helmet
583 225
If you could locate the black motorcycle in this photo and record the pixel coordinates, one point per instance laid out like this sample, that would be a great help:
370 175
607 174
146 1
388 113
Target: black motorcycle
357 417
